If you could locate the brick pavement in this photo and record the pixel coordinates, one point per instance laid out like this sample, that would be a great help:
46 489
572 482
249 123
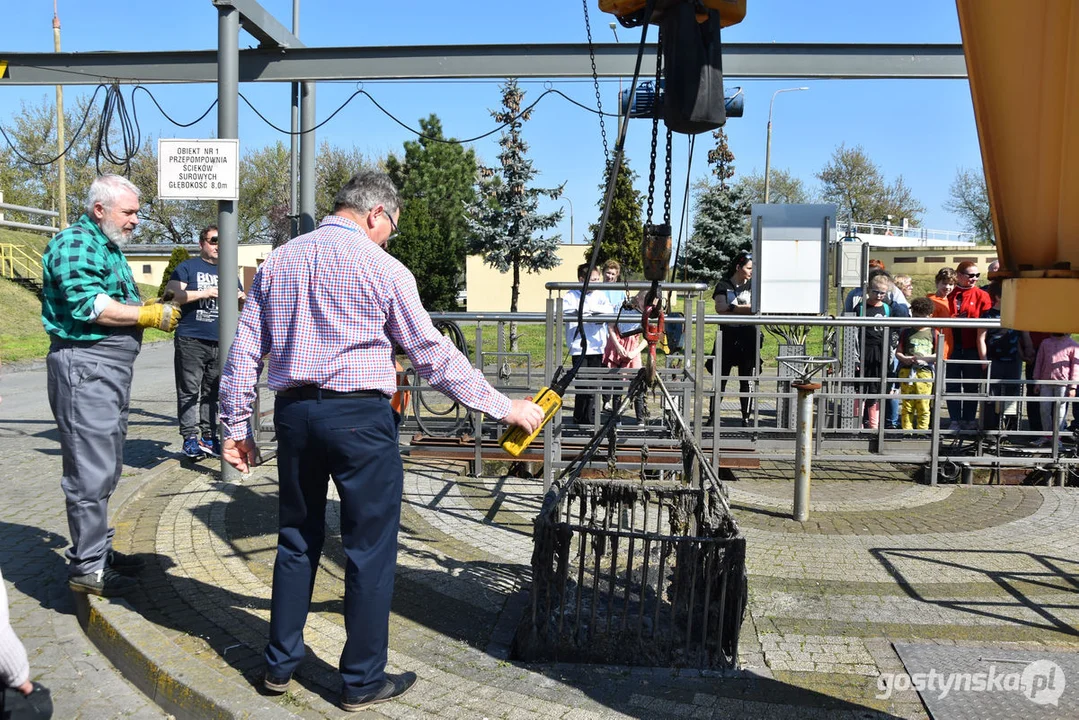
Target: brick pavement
879 561
33 535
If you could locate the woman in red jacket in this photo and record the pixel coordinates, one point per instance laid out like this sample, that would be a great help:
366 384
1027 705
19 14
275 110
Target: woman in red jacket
967 300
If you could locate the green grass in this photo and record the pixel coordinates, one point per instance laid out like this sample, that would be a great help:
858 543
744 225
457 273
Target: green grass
29 240
21 335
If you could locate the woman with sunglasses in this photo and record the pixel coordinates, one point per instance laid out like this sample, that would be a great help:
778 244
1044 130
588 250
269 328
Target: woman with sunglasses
967 300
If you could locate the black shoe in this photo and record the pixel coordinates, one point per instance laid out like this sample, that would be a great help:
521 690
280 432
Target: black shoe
276 684
393 687
124 564
105 582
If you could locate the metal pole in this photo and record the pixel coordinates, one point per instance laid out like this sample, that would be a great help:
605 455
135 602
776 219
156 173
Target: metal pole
698 370
803 453
61 166
768 145
768 153
307 157
294 141
228 91
477 416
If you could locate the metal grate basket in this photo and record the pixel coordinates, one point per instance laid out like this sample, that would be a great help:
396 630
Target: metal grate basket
635 573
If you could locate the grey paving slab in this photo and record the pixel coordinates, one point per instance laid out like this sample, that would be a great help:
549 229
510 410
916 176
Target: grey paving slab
989 683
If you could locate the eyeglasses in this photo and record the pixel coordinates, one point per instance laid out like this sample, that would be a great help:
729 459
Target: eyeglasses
211 240
975 276
882 293
393 225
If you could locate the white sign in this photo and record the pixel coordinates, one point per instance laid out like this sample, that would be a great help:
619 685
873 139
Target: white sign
790 258
198 169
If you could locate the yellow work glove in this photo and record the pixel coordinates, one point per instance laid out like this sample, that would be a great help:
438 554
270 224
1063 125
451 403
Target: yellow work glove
156 314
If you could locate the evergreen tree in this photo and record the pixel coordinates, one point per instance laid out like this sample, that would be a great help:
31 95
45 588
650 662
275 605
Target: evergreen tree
625 225
719 229
436 181
506 226
179 254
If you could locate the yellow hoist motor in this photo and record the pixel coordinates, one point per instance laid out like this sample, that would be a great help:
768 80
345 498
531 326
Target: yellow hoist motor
731 12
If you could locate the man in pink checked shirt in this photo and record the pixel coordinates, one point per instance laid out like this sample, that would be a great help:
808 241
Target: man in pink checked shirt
326 309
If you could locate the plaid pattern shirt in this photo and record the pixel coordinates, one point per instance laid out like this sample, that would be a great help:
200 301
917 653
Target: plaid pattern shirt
79 264
327 308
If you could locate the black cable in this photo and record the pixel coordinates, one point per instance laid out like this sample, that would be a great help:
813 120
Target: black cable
74 137
301 132
130 137
414 131
162 110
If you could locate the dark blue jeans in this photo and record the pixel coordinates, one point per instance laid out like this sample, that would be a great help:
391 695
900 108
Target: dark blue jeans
960 409
353 441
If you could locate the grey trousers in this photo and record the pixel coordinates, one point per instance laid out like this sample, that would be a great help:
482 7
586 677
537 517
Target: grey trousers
89 393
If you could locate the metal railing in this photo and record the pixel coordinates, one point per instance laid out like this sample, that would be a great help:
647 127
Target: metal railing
18 264
4 222
838 433
916 235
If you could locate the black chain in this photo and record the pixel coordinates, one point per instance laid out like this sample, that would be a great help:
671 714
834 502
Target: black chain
667 184
595 82
655 131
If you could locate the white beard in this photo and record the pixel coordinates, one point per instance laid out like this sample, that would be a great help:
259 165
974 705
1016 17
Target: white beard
115 233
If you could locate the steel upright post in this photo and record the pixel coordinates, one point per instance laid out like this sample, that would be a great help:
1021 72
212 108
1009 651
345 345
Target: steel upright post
803 453
307 157
228 89
294 141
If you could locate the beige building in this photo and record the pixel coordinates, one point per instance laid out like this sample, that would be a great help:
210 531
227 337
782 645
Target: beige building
148 262
488 290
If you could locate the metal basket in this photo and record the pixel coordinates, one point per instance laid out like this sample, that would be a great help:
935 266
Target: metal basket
635 573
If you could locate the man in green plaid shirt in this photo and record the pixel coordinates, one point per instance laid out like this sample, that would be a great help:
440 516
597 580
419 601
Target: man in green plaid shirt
90 308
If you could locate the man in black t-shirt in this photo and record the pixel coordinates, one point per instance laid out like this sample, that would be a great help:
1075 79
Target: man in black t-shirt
194 286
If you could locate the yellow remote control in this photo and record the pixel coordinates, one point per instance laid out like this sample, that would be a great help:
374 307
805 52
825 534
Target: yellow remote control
516 439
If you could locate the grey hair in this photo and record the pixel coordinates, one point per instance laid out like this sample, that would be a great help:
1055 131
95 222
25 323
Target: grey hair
107 189
365 190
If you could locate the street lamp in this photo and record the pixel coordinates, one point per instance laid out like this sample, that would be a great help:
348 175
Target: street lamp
768 146
566 198
614 29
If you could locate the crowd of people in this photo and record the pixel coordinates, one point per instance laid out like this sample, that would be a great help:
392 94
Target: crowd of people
976 359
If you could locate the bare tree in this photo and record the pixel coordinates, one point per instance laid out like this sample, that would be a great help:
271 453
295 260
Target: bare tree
968 198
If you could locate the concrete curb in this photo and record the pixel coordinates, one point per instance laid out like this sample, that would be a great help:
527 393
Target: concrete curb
148 659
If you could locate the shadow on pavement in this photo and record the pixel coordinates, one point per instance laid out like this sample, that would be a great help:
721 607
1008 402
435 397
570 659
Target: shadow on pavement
471 602
1043 573
33 561
169 601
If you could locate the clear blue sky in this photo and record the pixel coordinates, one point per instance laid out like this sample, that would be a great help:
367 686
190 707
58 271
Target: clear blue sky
922 130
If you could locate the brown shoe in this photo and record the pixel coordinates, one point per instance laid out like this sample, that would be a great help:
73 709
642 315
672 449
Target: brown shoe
394 686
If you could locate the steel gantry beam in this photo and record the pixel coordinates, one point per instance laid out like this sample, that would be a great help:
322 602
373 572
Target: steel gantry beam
262 25
288 64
